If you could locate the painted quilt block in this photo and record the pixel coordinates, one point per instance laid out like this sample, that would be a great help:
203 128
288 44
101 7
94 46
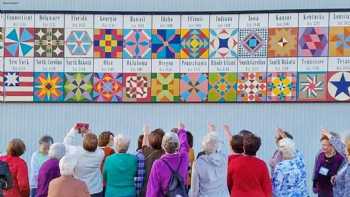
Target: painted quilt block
312 86
137 43
165 87
19 42
166 43
1 86
137 87
18 86
78 87
223 43
49 42
108 87
251 87
281 86
79 43
48 87
194 43
1 41
108 43
253 42
339 41
338 86
222 87
282 42
193 87
313 41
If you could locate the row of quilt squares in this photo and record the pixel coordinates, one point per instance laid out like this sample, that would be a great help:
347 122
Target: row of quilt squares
175 87
175 43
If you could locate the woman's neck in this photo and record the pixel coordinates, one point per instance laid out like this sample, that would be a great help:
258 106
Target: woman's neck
330 154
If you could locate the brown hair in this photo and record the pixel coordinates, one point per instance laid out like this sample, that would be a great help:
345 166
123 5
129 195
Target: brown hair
155 139
16 147
251 145
324 138
237 143
104 138
140 142
90 142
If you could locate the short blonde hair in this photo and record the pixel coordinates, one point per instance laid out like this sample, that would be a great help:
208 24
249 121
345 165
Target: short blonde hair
287 148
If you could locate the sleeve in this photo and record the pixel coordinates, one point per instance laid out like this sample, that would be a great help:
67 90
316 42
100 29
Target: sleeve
104 170
229 176
315 177
266 181
154 183
184 146
338 145
34 171
194 181
140 174
277 181
22 179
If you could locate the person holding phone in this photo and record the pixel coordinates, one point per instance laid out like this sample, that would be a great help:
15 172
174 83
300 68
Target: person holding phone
74 138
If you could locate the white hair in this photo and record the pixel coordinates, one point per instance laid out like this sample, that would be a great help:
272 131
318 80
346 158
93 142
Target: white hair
57 151
210 143
67 165
287 148
170 142
121 143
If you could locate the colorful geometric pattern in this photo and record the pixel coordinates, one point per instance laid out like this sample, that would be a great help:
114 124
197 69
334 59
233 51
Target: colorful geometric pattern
165 87
281 86
48 87
1 42
194 43
339 86
1 86
223 43
222 87
313 41
312 86
49 42
251 87
137 87
108 87
283 42
19 42
339 41
253 42
194 87
78 87
79 43
166 43
137 43
108 43
18 86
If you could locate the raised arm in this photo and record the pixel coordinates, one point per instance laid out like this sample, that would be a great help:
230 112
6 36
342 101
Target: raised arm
184 146
145 141
228 136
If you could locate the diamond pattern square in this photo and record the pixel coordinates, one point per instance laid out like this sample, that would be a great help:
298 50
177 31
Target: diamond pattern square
253 42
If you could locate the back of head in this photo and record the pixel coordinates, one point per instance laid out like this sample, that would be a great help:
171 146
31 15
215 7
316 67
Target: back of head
237 144
46 139
245 133
189 138
90 142
121 143
170 142
104 138
287 148
210 143
155 139
251 145
57 151
67 165
16 147
140 142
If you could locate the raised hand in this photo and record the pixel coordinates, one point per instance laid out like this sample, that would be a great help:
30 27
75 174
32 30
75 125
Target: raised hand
211 128
227 132
326 133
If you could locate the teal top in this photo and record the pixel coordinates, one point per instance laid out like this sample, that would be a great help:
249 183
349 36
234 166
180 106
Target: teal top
118 172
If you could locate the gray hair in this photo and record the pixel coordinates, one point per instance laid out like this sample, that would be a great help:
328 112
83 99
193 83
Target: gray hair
210 143
121 143
57 151
67 165
170 142
287 148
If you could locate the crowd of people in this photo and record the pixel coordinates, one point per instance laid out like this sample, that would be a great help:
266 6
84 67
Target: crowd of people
165 165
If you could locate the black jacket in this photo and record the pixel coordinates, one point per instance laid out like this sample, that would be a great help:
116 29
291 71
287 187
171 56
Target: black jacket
5 177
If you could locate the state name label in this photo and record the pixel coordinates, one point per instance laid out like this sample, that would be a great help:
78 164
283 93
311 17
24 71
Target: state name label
14 64
137 66
108 65
137 21
49 20
222 65
79 21
194 66
253 21
108 21
252 65
78 65
194 21
339 64
312 64
340 19
226 21
313 19
166 21
19 20
282 65
165 65
283 20
48 65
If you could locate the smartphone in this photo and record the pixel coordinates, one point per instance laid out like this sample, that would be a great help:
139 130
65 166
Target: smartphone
80 126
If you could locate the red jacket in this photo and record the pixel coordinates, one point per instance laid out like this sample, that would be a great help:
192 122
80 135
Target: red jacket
19 173
248 176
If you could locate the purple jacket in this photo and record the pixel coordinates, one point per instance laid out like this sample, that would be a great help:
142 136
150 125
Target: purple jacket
48 171
160 173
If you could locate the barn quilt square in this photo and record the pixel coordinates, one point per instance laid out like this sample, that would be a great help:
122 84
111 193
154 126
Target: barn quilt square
251 87
339 41
108 43
108 87
137 43
282 42
338 86
166 43
222 87
1 41
137 87
194 87
18 86
194 43
312 86
223 43
49 42
313 41
281 86
165 87
19 42
78 43
78 87
48 86
1 86
253 42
